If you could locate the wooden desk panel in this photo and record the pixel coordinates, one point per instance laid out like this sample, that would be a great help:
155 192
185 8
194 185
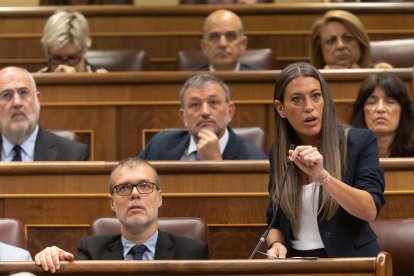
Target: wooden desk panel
231 218
372 266
177 177
283 27
117 107
60 199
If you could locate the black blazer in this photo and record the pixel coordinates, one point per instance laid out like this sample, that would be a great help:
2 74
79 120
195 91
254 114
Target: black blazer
170 145
168 247
51 147
345 235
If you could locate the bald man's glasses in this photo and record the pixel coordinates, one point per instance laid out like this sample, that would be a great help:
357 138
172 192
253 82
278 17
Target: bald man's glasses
216 36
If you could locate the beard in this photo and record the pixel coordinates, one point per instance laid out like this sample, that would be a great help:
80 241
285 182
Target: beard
18 132
138 224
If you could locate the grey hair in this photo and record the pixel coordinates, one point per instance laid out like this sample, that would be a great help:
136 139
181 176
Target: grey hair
132 163
201 80
65 27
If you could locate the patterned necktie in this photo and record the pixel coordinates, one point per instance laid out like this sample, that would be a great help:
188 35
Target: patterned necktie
137 251
17 153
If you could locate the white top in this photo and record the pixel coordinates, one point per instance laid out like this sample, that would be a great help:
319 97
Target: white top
308 237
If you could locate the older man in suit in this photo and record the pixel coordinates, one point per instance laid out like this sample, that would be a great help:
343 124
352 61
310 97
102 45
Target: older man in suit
21 137
206 112
223 42
135 198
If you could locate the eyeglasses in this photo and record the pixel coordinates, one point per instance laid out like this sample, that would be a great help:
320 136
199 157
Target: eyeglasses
69 60
216 36
143 187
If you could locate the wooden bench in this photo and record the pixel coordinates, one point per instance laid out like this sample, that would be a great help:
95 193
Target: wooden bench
59 200
283 27
373 266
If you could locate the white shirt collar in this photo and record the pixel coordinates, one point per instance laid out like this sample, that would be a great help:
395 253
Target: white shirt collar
28 148
150 244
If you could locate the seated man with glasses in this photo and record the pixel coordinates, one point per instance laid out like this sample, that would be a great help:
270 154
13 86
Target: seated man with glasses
223 42
65 42
135 197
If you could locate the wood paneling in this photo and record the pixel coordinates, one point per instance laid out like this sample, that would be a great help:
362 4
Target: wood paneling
285 28
61 199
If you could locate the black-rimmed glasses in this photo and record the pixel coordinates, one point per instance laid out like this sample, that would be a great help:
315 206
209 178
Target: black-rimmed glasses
143 187
69 60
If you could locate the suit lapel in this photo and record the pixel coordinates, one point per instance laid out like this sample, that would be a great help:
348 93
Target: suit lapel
164 248
232 147
45 148
1 145
114 251
179 145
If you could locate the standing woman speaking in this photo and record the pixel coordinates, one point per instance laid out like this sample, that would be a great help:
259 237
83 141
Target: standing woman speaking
335 184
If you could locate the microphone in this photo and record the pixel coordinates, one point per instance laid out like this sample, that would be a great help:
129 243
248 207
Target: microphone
263 237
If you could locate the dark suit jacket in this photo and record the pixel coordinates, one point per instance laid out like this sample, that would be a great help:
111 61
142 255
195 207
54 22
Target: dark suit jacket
51 147
345 235
170 145
206 67
168 247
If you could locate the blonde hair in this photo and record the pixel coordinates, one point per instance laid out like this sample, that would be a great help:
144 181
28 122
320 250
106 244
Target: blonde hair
65 27
352 24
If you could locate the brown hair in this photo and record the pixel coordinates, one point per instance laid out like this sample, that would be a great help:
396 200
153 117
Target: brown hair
352 24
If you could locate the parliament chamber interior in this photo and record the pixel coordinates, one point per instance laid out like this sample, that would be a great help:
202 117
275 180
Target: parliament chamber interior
148 51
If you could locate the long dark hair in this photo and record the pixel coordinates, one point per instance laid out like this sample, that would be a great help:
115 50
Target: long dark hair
329 146
395 88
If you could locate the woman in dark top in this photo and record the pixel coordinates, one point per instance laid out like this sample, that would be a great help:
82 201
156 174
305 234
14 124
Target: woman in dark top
334 186
383 105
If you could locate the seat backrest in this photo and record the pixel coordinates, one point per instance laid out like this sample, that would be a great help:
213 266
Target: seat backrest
397 52
119 60
12 232
261 59
397 237
189 227
254 135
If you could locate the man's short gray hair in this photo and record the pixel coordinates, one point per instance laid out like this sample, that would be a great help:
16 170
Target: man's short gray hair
132 162
200 81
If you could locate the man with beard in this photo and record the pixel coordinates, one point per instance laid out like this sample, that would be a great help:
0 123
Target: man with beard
21 137
206 111
223 42
135 196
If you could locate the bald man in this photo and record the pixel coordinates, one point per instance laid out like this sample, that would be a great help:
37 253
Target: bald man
21 137
223 42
